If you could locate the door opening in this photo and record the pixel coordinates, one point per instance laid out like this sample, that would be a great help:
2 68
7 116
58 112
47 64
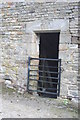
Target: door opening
49 48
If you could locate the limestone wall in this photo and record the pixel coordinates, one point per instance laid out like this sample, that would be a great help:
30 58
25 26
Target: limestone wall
18 39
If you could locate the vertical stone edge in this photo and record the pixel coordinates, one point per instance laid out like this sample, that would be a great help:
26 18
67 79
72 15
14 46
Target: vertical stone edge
79 59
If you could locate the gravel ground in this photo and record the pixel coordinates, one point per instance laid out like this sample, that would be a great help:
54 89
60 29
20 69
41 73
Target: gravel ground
15 105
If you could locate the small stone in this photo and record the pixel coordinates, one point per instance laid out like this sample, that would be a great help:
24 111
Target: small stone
38 109
18 114
17 100
7 82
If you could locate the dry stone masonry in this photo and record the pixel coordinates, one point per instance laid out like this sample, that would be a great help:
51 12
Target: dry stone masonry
21 21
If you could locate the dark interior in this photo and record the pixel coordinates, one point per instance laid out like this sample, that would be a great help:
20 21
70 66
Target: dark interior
48 48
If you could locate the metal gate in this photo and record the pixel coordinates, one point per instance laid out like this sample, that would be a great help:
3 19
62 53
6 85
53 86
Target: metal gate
44 76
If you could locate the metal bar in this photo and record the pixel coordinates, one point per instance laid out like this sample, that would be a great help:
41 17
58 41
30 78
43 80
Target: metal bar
44 66
28 73
44 59
45 77
45 71
43 92
59 77
34 70
33 75
49 77
46 88
49 72
43 81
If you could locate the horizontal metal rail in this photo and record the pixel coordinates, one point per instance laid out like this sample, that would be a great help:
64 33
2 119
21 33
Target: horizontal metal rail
45 77
45 59
44 66
43 92
45 71
46 88
43 81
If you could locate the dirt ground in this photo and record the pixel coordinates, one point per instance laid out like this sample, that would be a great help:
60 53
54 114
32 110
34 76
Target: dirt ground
15 105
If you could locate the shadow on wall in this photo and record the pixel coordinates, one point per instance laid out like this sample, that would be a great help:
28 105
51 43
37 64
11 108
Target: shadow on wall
79 62
79 78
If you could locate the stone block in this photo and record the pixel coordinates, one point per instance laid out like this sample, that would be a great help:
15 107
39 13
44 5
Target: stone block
65 38
75 40
73 93
63 89
73 87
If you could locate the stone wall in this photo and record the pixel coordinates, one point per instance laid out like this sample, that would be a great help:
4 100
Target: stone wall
19 40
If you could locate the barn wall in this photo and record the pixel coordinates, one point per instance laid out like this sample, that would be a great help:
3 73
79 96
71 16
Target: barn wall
19 40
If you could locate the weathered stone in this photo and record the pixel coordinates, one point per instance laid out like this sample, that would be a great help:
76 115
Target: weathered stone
73 87
19 39
73 93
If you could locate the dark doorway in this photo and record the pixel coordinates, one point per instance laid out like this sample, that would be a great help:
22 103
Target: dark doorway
48 48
